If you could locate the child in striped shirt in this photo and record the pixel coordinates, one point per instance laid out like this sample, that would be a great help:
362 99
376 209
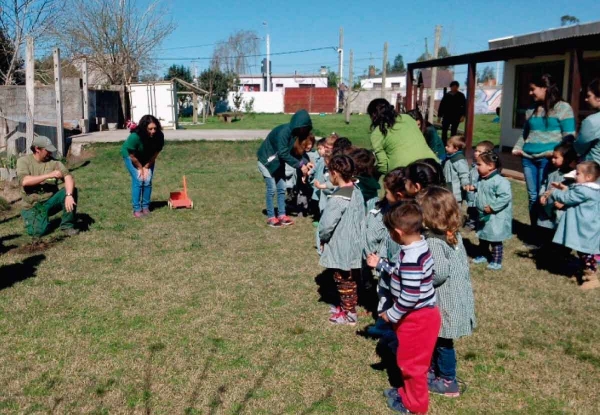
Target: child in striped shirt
415 315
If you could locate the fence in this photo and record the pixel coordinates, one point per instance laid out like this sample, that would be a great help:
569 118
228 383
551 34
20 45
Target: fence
264 102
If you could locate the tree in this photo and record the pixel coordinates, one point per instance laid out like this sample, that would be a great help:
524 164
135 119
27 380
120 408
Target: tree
332 79
19 19
217 84
118 37
442 53
44 70
398 65
185 74
232 55
485 75
567 20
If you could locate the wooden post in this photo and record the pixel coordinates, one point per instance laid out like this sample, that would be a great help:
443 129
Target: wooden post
60 136
384 70
576 57
409 89
436 47
30 93
194 108
86 109
470 119
348 91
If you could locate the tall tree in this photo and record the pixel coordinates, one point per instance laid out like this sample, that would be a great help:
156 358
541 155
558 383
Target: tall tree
19 19
332 79
398 65
185 74
567 20
486 74
233 54
44 70
118 37
217 84
442 53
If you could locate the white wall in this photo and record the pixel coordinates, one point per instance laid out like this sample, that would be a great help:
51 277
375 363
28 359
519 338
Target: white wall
155 98
368 83
287 82
264 102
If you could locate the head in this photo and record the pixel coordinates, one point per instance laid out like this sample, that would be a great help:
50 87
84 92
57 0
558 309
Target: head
341 145
364 161
383 115
421 174
417 116
587 172
321 147
341 169
483 147
394 185
42 148
454 85
441 213
593 94
487 163
455 144
544 92
148 127
309 143
302 143
404 222
564 156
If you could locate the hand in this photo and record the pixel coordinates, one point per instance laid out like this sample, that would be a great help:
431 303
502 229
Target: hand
140 173
469 188
320 186
517 153
559 186
559 205
305 169
146 173
543 200
488 209
310 165
322 246
372 260
56 174
70 203
384 317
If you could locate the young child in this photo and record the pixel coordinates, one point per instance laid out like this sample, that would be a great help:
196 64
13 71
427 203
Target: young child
494 204
472 214
341 145
303 189
579 226
432 137
564 160
366 172
340 232
442 218
422 174
415 316
456 168
321 185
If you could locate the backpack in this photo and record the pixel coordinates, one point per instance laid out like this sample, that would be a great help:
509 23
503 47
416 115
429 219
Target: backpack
36 220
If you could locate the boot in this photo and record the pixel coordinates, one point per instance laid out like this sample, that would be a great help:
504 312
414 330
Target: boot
590 279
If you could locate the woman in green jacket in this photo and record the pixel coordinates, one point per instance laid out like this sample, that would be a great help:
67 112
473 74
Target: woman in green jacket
396 139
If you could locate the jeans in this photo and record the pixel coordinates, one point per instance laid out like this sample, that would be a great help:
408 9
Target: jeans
274 184
444 359
535 172
140 189
449 124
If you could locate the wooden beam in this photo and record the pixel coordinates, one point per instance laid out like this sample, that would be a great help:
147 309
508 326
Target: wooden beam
409 89
86 107
576 57
60 132
470 116
194 108
30 93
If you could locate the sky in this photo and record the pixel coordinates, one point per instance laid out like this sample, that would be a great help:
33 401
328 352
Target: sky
310 24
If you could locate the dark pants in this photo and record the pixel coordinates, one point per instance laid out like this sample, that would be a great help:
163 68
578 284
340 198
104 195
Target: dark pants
56 204
449 124
497 250
444 359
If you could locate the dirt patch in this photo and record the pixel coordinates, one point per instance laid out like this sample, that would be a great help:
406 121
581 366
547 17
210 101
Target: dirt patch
75 162
36 246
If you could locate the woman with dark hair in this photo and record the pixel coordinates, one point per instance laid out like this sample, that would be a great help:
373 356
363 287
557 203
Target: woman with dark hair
396 139
139 152
588 140
548 122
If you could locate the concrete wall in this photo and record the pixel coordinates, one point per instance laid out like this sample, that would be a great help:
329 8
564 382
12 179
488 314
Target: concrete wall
285 81
360 100
368 83
264 102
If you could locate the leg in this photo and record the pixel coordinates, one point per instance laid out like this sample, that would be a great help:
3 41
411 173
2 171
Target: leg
136 185
270 192
57 203
497 252
147 191
281 188
446 359
347 289
484 252
454 127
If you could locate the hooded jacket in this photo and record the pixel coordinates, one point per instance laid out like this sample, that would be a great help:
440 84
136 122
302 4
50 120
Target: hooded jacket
276 150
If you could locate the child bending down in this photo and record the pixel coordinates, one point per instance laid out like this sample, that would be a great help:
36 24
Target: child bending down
414 314
579 226
340 231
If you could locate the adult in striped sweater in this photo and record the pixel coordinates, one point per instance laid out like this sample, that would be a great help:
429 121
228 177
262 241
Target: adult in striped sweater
547 123
414 314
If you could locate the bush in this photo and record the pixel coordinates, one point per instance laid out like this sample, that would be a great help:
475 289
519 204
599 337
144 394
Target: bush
4 205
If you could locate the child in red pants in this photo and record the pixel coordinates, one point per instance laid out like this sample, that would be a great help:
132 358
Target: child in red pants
415 316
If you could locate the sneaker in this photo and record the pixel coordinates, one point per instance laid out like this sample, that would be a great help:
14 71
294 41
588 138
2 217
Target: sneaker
397 406
391 393
344 319
480 260
447 388
70 232
494 266
138 215
145 211
431 375
334 309
285 220
273 223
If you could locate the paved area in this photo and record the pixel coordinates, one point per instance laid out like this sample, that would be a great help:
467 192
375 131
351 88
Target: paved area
174 135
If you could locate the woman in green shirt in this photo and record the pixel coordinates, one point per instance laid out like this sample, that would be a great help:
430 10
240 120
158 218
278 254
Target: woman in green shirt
139 152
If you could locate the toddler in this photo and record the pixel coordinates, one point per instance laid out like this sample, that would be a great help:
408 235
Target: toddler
366 172
472 214
422 174
456 168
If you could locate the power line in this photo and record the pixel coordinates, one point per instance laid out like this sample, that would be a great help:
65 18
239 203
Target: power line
250 56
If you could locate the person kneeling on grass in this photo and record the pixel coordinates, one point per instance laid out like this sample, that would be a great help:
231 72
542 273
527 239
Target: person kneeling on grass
40 175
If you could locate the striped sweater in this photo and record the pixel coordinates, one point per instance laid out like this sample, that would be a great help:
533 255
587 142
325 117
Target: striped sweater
540 134
411 284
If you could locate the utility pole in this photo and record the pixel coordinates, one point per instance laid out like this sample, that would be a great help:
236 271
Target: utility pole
86 108
438 35
341 62
60 132
268 65
350 84
30 92
384 70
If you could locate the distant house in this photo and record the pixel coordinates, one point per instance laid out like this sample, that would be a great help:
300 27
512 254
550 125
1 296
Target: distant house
393 81
257 83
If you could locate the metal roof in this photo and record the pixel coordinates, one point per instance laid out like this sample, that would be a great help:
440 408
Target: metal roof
591 28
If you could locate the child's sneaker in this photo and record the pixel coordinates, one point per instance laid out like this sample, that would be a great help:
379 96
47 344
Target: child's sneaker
448 388
397 406
138 215
274 223
480 260
334 309
431 375
285 220
344 319
494 266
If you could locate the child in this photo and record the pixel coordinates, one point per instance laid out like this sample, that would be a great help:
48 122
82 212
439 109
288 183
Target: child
456 169
579 226
432 138
415 316
302 188
364 162
340 231
341 145
494 204
564 160
321 185
452 282
473 178
421 174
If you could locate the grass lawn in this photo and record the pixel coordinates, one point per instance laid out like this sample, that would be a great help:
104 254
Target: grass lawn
357 131
208 311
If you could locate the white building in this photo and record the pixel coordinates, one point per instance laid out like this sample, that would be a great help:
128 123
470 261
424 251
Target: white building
257 83
395 82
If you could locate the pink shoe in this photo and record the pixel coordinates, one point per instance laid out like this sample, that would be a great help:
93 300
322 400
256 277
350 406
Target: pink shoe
146 212
285 220
138 215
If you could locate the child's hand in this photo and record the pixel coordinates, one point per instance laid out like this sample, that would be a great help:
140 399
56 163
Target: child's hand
543 200
488 209
559 205
304 179
559 186
384 317
320 186
372 260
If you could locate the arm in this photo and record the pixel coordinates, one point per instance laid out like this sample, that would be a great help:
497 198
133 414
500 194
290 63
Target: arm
380 154
151 161
70 188
284 152
27 181
567 121
503 196
518 148
588 135
442 108
571 197
462 169
441 264
331 217
463 105
409 285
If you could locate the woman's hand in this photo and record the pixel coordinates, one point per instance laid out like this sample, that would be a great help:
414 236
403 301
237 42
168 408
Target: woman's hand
517 153
146 173
140 173
372 260
305 169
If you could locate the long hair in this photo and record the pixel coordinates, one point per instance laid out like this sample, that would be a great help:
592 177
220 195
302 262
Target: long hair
441 213
383 115
552 93
594 87
142 127
426 172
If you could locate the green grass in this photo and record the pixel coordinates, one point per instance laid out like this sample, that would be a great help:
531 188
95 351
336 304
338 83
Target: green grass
357 130
208 311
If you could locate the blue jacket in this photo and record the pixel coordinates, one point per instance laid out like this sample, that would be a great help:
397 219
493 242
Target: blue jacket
549 215
588 141
456 172
494 191
473 179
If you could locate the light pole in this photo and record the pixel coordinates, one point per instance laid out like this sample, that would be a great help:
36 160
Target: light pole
268 63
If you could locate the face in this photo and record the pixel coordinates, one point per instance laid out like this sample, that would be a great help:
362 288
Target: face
419 123
308 145
411 188
557 159
151 129
484 169
537 93
454 89
450 149
581 177
44 154
396 235
299 146
592 100
478 151
334 178
321 150
391 197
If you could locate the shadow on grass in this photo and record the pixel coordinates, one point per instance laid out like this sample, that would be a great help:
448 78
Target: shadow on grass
388 361
258 383
8 218
3 248
327 289
198 384
82 165
147 394
11 274
157 204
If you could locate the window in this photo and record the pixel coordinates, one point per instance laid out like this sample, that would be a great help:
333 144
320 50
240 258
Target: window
376 85
395 85
306 85
278 85
524 75
252 88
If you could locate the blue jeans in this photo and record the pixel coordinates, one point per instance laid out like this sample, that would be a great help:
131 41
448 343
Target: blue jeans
535 172
444 359
274 184
140 189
